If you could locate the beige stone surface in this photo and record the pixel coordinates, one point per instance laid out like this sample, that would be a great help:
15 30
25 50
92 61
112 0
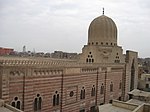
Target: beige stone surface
102 30
134 101
111 108
139 93
7 108
3 109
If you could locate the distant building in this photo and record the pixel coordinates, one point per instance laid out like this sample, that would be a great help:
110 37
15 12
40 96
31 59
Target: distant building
144 65
24 49
140 71
64 55
6 51
139 102
144 82
130 106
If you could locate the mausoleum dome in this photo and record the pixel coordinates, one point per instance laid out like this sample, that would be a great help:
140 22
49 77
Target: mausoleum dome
102 31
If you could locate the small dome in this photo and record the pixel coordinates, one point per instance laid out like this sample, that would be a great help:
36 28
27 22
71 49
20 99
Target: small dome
102 31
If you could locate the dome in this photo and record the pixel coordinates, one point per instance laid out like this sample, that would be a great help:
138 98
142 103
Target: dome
102 31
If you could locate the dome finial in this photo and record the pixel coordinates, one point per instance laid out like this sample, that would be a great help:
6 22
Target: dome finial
103 10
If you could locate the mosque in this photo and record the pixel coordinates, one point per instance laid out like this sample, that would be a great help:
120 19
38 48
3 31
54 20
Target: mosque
100 74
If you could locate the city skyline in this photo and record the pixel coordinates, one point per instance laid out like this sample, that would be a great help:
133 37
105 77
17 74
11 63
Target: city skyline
63 24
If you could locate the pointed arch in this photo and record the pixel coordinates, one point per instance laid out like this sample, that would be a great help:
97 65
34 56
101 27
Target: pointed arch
35 104
56 98
111 87
82 93
18 105
132 76
13 104
102 89
57 101
93 91
38 103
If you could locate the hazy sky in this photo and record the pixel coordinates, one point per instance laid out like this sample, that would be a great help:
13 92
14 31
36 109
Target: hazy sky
48 25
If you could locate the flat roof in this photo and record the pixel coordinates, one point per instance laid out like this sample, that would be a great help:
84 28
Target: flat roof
134 101
137 92
111 108
3 109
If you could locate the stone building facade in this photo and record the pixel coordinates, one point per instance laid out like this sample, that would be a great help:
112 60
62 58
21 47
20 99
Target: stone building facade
5 51
144 82
101 73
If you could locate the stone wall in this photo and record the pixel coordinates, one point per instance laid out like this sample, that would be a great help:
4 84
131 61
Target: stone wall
26 83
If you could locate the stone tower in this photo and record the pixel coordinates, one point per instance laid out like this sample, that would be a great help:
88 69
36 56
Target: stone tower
102 49
102 43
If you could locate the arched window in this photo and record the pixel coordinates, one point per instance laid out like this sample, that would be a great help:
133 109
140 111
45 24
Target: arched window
120 84
13 104
90 58
82 94
56 99
93 91
16 103
57 102
37 103
111 87
102 89
87 60
132 76
40 103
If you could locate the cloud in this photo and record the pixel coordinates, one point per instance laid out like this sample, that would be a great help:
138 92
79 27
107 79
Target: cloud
48 25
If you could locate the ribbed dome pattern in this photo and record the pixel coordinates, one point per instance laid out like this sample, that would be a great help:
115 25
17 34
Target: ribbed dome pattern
102 31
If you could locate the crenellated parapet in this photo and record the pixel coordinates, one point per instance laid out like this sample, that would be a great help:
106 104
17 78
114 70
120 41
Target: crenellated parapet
48 62
89 70
7 61
47 72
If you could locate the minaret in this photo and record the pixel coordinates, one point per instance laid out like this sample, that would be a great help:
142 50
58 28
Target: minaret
24 48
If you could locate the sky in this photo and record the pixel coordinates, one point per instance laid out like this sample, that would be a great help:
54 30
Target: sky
62 25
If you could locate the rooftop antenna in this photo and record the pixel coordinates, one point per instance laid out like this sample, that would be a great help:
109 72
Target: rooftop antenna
103 10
